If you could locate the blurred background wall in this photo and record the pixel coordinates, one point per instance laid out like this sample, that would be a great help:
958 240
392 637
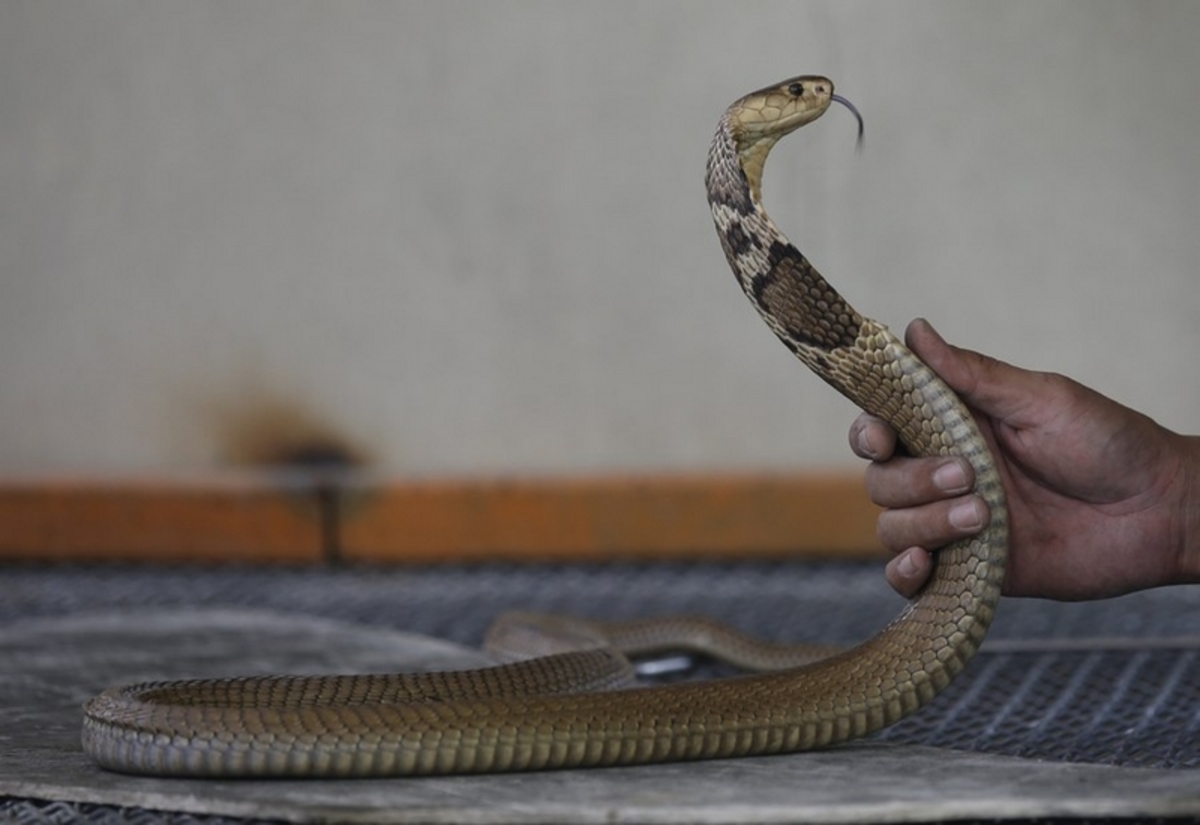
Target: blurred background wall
471 238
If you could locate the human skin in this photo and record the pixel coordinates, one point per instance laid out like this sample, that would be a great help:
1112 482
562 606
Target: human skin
1102 500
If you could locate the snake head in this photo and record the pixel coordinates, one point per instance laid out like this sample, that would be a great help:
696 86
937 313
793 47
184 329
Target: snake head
761 118
782 108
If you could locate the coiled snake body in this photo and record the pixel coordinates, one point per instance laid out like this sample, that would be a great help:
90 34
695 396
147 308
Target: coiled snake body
574 709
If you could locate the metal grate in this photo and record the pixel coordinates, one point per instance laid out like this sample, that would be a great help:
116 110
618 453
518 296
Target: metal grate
1137 705
39 812
1119 707
1135 702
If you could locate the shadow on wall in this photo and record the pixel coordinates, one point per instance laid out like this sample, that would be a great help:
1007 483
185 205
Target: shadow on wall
275 431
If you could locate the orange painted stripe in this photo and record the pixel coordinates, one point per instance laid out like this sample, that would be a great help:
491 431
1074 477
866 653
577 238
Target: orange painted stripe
607 518
225 518
299 518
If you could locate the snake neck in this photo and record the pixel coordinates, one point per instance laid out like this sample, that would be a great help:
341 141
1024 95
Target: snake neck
807 314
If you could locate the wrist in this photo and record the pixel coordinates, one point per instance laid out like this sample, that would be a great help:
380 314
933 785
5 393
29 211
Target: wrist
1187 543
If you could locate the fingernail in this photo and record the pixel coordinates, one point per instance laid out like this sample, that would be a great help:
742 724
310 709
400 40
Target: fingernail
966 515
906 566
951 477
864 445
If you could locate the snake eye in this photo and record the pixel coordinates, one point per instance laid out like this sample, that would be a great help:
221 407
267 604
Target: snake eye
796 90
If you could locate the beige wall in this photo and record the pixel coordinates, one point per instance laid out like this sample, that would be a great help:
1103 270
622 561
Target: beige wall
472 237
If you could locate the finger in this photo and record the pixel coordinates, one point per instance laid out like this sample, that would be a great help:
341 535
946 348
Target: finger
950 362
931 525
908 572
988 384
908 482
871 438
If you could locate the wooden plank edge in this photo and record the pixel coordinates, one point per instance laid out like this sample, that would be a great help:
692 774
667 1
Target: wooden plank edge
217 518
607 518
305 518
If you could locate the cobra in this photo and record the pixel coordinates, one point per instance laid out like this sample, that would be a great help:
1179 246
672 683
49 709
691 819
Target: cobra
576 708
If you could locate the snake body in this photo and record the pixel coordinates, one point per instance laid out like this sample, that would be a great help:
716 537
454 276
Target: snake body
574 709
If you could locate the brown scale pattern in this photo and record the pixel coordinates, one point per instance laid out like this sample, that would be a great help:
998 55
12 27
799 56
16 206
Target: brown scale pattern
808 310
528 716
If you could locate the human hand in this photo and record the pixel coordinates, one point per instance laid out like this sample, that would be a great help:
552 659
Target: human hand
1102 500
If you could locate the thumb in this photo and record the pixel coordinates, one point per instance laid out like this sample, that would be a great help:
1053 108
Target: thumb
991 386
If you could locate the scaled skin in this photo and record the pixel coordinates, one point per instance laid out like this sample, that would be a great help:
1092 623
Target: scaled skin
1102 500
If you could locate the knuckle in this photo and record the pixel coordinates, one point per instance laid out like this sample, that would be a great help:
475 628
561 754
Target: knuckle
871 481
890 530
